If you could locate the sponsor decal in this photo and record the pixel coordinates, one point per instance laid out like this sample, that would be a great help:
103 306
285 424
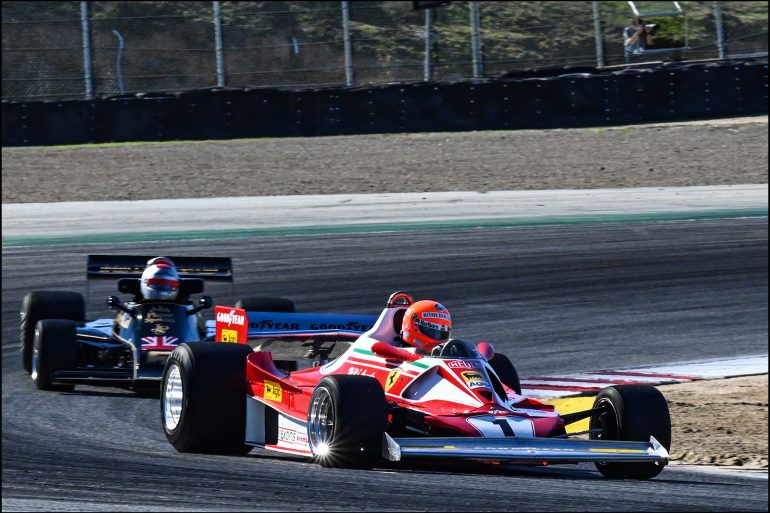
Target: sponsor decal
475 379
229 336
440 307
232 325
156 315
292 436
231 318
431 325
156 342
160 329
355 371
463 364
273 391
434 315
350 326
269 324
391 379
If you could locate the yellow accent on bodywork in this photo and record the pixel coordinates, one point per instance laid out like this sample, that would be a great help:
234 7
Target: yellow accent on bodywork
273 391
566 405
621 451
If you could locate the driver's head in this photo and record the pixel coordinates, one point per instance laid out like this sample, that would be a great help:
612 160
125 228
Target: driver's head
160 260
160 281
426 324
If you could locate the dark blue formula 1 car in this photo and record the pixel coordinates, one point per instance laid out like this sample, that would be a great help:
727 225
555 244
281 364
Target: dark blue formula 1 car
61 349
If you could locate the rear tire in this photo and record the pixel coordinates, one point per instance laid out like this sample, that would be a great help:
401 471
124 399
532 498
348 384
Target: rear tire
636 413
266 304
506 372
346 421
46 304
54 348
203 398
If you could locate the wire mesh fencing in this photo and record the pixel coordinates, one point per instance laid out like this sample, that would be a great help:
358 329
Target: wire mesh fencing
72 50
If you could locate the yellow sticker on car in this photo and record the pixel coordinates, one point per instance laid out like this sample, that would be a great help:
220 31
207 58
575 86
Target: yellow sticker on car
273 391
391 379
475 379
229 336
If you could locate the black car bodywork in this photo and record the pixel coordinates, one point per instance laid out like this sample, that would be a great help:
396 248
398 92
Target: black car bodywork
128 350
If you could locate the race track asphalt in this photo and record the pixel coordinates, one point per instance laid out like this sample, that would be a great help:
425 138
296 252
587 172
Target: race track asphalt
563 298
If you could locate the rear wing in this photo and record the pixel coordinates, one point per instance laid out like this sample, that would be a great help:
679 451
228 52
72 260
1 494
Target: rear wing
237 325
111 267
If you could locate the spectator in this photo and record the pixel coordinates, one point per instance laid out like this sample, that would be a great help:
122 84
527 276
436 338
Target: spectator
636 39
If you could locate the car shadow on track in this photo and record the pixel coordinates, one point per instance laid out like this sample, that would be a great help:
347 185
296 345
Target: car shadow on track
128 394
460 468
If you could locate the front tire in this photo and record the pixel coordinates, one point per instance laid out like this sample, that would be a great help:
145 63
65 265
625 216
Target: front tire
46 304
636 412
346 421
203 398
54 348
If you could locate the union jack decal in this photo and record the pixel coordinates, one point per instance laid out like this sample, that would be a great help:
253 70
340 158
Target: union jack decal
159 342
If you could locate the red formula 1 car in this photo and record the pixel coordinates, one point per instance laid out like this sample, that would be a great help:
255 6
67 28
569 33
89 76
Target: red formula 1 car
378 402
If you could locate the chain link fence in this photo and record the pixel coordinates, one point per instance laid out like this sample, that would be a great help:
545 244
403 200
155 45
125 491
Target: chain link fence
72 50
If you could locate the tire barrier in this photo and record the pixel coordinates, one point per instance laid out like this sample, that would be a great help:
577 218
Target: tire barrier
672 92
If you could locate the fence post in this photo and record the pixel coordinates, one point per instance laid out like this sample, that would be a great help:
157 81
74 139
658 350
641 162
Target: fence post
478 65
87 70
426 64
598 36
720 30
218 44
346 43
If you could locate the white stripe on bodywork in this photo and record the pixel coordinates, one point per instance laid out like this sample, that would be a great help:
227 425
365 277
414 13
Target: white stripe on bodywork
489 426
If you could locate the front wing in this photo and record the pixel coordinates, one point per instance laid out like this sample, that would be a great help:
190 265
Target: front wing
524 450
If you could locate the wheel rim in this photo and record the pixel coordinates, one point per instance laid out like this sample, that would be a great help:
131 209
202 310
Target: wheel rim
35 364
321 422
35 358
173 395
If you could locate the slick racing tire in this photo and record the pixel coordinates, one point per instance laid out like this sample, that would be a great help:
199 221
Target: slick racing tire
203 398
636 412
346 421
506 372
46 304
54 348
266 304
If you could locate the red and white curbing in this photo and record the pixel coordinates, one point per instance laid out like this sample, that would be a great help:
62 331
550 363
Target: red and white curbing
589 383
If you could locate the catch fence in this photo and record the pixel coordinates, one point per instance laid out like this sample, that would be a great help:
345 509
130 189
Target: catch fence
75 50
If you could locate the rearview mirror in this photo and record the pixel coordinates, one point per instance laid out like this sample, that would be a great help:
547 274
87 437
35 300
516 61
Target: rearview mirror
389 352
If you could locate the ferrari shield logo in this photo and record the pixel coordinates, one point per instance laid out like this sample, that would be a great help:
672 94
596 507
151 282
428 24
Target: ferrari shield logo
391 379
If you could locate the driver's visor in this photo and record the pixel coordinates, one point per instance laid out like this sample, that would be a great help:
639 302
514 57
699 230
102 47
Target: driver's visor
432 330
